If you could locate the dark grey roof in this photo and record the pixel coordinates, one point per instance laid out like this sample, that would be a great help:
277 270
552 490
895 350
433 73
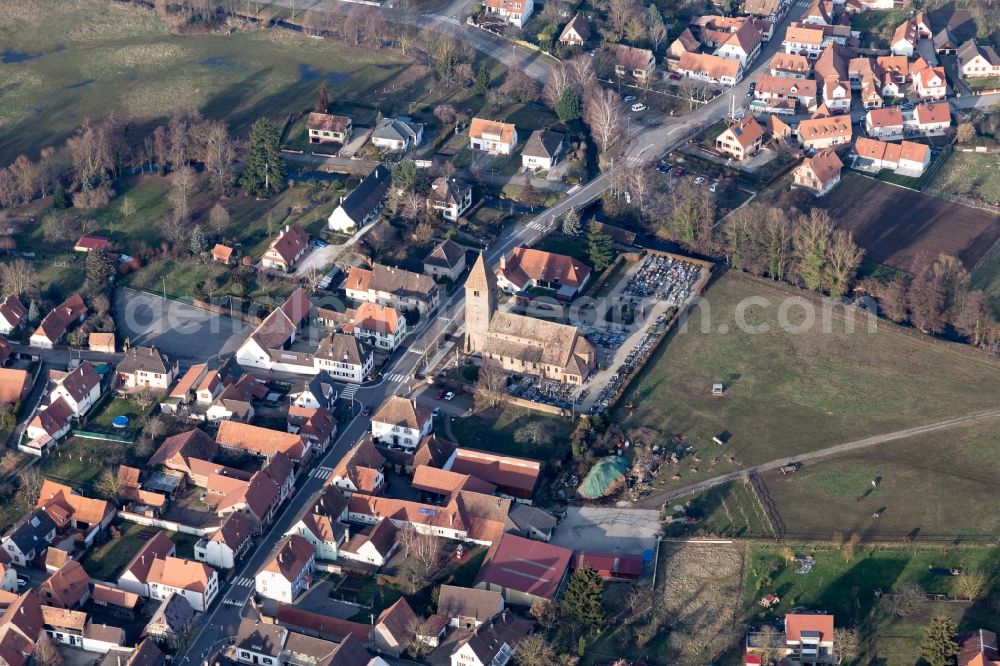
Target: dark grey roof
31 534
971 49
543 143
344 349
368 195
447 254
266 639
447 191
524 517
397 129
174 614
315 386
146 359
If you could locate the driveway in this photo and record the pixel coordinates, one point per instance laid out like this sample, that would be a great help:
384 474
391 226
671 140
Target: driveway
608 530
181 331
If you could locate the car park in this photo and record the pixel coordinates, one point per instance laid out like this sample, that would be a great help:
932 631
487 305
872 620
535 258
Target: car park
638 106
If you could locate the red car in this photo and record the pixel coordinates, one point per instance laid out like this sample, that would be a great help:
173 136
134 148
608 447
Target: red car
675 77
678 173
439 394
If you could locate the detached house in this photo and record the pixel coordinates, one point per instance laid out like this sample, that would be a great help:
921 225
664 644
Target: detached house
397 134
809 638
543 150
80 389
822 133
316 392
372 545
930 83
885 124
399 288
401 423
286 249
364 203
492 643
57 322
450 197
904 39
743 44
345 357
27 542
638 64
323 523
135 577
803 40
468 607
491 136
12 314
230 542
49 425
576 32
379 326
819 173
69 587
327 128
527 267
195 581
146 367
515 12
360 470
742 139
710 68
289 571
929 119
446 260
974 61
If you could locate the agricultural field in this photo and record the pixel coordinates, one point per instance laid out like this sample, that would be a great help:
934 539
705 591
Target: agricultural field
104 57
870 210
789 391
697 595
975 175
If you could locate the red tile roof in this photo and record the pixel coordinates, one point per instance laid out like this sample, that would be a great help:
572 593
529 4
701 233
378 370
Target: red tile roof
525 264
796 623
524 565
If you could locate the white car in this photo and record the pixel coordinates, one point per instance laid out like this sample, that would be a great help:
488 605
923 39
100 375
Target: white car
638 106
699 180
714 186
449 395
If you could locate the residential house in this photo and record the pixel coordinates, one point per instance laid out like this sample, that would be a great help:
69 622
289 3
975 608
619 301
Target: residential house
789 65
178 452
491 136
809 638
315 392
820 12
439 485
397 134
492 643
230 542
69 587
372 545
197 582
320 625
974 61
86 243
64 626
741 139
363 204
782 94
8 575
904 39
524 571
345 357
543 150
323 523
450 197
359 471
101 342
401 423
743 44
468 607
274 645
327 128
257 498
819 173
135 577
397 287
638 64
49 424
772 10
822 133
379 326
70 510
885 124
978 648
515 12
13 314
15 385
906 158
102 638
576 32
710 68
467 516
446 260
268 346
146 368
28 540
516 478
686 42
80 389
55 324
119 602
928 119
531 522
803 40
222 254
172 624
261 442
930 83
527 267
285 250
393 627
316 426
289 571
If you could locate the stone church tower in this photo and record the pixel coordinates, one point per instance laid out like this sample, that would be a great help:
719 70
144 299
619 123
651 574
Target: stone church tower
480 304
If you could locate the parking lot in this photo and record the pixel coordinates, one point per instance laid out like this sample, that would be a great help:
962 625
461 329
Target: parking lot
608 530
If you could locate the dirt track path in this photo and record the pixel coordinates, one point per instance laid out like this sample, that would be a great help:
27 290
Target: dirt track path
658 501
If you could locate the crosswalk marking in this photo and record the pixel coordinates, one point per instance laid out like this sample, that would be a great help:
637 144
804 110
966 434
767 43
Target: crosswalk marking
442 19
397 377
243 581
321 473
348 392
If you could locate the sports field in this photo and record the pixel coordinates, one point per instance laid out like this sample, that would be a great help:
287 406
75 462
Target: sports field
791 391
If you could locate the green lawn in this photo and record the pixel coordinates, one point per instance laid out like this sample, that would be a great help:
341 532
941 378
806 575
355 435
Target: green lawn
876 27
79 462
971 175
98 57
843 582
791 392
120 407
896 642
105 562
991 83
511 431
560 243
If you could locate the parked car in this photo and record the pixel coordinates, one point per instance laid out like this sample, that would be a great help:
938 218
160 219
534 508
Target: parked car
675 77
367 411
628 98
663 168
22 583
436 412
678 173
439 394
714 186
320 243
449 395
699 180
638 106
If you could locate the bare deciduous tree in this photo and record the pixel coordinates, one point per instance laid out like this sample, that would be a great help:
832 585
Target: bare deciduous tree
602 111
218 154
183 184
218 218
491 387
534 650
110 485
18 277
